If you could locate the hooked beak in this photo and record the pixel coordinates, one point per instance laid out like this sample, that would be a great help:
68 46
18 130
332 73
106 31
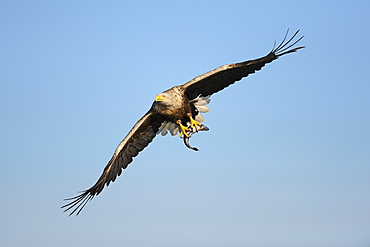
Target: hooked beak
159 97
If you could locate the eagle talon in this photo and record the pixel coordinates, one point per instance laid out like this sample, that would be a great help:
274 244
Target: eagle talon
184 130
194 124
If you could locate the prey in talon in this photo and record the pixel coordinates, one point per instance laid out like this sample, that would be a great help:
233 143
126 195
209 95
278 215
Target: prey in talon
191 131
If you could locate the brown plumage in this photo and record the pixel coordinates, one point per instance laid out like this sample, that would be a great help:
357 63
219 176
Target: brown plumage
176 110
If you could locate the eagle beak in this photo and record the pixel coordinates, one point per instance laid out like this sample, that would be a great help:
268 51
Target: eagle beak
159 97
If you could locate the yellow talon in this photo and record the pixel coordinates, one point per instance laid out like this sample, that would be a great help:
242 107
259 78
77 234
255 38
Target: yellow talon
194 124
183 130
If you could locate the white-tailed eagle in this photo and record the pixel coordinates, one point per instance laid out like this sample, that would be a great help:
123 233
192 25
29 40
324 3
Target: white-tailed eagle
177 110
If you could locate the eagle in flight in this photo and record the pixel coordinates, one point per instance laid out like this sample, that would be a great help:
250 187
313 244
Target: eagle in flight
177 111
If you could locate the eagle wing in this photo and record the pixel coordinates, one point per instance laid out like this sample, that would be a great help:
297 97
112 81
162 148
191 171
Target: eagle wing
223 76
136 140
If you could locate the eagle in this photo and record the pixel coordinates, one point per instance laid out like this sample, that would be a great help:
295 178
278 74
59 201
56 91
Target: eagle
177 111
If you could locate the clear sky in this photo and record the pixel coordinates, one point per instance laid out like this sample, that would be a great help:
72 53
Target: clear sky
286 161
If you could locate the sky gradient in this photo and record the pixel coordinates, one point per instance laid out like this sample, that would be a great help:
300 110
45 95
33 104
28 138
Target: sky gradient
286 161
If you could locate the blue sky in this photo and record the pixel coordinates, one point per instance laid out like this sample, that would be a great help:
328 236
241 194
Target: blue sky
286 161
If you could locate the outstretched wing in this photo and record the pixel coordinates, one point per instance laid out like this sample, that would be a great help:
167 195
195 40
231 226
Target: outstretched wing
136 140
223 76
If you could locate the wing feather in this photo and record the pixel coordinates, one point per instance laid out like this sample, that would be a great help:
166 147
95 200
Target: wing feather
136 140
223 76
